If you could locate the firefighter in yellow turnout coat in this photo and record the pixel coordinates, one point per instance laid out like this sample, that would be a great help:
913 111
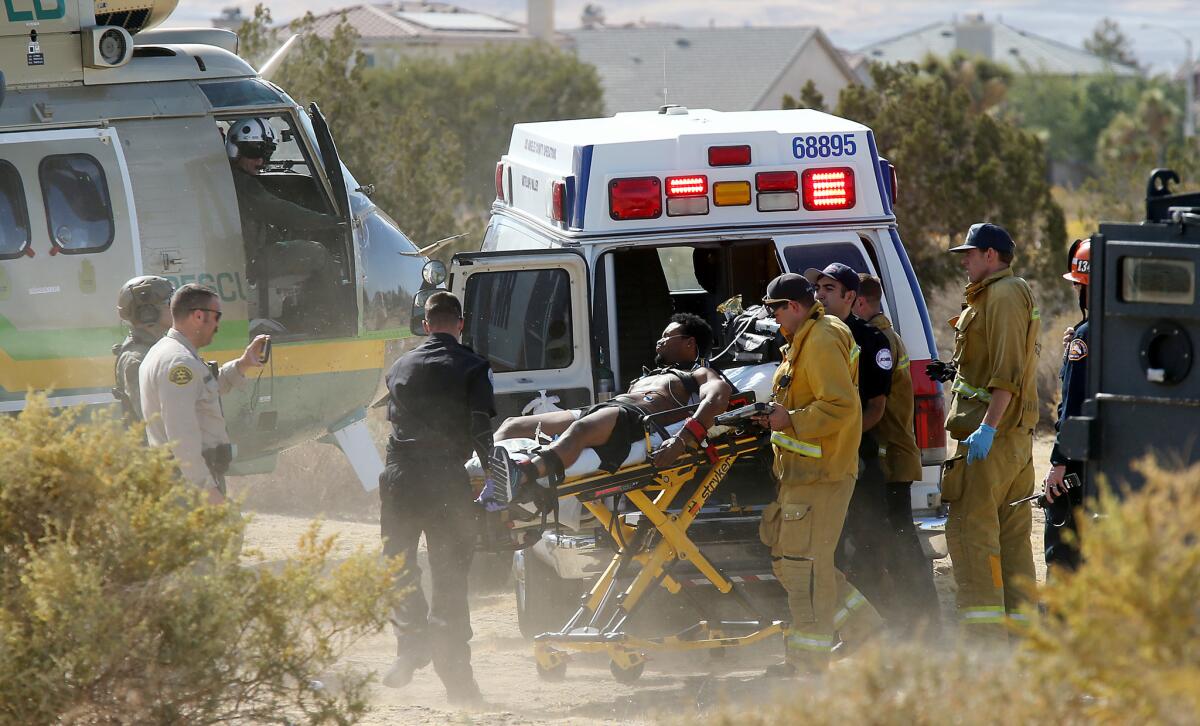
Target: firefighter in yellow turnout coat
816 423
992 416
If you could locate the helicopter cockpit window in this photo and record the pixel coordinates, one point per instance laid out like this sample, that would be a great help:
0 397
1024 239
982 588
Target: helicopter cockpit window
14 215
297 262
78 208
242 92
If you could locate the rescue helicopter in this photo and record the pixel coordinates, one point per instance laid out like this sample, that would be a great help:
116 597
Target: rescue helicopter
116 141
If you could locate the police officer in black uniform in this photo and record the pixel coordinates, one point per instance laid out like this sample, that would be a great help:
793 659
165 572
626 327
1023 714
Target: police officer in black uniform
861 552
440 405
1063 502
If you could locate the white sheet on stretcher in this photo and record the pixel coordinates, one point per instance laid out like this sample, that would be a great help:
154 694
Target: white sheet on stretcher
570 509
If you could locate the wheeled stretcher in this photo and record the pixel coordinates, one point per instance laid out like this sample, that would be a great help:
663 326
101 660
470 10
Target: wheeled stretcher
647 553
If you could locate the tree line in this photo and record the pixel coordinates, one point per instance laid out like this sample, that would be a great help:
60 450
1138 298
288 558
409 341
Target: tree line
971 138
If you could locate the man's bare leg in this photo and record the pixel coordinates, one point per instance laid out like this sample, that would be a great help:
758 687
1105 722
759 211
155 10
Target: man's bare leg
524 427
512 477
586 432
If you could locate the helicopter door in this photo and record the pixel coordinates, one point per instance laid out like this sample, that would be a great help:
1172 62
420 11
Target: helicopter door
348 294
68 239
298 262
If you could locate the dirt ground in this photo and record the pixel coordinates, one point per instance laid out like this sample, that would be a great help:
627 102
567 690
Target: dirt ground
504 665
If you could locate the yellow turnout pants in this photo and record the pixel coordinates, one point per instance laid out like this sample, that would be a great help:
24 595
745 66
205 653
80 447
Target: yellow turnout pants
802 529
989 540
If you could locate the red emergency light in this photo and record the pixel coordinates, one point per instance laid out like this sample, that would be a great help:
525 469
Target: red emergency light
826 189
729 155
558 195
635 198
500 181
695 185
776 181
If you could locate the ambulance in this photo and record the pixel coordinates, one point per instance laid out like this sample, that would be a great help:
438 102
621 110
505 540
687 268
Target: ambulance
603 228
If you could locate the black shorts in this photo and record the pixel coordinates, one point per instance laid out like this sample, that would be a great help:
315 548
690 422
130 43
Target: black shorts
627 429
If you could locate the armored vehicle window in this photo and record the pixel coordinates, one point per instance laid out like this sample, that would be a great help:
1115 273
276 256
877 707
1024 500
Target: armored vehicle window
14 215
78 210
245 92
1154 280
520 320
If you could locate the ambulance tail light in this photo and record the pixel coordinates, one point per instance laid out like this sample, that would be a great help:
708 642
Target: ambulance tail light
635 198
826 189
929 415
500 180
729 155
558 195
775 181
687 195
895 181
695 185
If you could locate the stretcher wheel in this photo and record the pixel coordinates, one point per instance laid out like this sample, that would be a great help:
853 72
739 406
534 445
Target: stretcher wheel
554 673
627 675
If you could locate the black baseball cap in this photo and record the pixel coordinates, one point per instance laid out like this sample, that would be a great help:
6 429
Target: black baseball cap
835 271
986 236
788 286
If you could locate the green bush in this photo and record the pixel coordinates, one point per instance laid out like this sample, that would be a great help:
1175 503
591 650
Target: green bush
1118 642
124 597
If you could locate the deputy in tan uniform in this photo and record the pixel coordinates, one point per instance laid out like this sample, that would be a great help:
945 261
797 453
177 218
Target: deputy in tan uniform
181 396
912 600
992 416
816 424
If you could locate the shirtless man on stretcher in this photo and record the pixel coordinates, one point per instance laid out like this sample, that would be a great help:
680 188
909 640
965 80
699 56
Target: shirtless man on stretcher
612 426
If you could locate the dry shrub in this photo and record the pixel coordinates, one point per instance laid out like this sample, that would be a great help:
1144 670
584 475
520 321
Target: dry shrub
124 599
1118 642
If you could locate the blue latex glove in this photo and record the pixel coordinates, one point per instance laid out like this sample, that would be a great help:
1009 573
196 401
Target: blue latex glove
979 444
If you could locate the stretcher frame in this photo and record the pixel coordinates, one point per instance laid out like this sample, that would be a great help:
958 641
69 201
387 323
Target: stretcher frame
597 626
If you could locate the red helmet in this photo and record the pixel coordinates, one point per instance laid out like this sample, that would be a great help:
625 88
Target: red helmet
1081 261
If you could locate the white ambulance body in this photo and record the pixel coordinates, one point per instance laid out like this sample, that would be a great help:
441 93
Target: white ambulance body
602 228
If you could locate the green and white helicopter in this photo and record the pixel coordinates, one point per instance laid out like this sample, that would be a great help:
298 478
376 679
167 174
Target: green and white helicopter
113 164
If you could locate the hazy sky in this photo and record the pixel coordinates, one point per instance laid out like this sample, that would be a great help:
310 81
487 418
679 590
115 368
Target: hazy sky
850 23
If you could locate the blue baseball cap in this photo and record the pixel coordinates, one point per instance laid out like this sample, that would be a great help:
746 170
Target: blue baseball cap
835 271
986 236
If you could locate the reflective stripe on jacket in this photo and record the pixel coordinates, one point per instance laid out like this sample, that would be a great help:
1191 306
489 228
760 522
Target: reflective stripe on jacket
821 395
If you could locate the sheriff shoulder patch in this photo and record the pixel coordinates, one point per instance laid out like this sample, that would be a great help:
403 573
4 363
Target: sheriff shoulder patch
1078 350
883 359
180 375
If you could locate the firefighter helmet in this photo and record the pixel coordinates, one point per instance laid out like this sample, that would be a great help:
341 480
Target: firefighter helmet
1081 261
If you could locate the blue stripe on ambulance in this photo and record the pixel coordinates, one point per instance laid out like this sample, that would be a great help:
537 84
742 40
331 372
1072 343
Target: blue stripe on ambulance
585 173
916 288
883 195
569 202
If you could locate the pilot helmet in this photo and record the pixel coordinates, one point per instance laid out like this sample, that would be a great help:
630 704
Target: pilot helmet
253 138
142 300
1081 261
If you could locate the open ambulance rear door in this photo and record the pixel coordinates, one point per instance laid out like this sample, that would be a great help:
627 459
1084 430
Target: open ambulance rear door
526 311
